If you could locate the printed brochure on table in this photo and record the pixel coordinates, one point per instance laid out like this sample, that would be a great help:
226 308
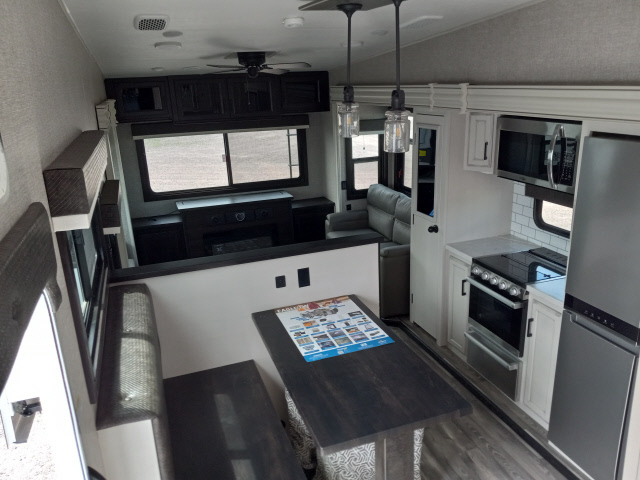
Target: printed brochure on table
330 327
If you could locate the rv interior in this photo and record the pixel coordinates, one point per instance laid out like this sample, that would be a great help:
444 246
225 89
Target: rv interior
328 239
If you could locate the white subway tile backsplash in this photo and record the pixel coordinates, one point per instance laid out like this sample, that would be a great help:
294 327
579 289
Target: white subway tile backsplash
544 237
523 226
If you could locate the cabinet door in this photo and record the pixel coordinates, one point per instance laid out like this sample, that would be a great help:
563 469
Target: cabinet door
200 99
427 238
140 99
541 353
479 155
458 311
305 92
254 96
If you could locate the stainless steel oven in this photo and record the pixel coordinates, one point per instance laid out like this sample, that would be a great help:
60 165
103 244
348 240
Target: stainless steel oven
494 338
498 311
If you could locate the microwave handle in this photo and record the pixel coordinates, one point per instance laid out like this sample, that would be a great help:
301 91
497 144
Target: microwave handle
558 132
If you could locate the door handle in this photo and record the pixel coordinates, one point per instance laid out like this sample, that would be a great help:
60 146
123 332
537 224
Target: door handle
433 229
558 132
464 294
486 145
529 334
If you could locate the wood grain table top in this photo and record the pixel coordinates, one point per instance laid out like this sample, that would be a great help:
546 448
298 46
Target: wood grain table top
362 396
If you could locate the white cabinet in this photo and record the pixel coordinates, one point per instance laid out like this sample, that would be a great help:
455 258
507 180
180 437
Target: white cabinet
458 304
479 151
540 356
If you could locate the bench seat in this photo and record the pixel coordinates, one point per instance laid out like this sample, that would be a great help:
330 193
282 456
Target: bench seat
223 426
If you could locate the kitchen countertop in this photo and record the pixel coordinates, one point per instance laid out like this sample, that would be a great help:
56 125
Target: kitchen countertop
551 291
466 251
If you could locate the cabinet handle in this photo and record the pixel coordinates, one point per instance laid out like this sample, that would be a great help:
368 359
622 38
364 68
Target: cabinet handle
486 145
529 334
464 294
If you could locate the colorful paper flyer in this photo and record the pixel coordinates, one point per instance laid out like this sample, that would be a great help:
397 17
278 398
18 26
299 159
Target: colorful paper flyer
330 327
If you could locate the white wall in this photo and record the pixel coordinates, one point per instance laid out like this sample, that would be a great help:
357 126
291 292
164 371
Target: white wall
48 88
317 151
523 226
204 317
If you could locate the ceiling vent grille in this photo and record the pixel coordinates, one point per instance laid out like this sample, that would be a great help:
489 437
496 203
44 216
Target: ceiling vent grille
151 22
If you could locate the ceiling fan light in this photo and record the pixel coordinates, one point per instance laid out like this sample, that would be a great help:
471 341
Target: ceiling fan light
397 131
348 119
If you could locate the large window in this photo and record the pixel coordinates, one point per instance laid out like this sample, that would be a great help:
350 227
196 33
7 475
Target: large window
552 217
366 163
211 163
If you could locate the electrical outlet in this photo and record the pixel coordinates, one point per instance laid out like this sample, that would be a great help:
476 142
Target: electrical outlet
348 206
281 281
304 280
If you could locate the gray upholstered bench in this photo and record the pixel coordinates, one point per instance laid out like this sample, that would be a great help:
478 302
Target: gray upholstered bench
131 417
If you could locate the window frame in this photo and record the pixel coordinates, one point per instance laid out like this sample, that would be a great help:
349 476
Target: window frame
399 162
542 225
149 195
382 159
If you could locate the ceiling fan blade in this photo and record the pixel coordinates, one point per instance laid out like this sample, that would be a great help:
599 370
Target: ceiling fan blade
225 66
289 65
241 69
274 71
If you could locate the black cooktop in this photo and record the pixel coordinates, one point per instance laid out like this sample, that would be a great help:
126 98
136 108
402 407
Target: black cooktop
526 267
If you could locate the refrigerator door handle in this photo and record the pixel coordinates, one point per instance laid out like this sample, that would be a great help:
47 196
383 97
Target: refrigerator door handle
603 333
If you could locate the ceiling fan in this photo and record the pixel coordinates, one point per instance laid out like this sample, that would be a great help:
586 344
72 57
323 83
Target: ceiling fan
254 63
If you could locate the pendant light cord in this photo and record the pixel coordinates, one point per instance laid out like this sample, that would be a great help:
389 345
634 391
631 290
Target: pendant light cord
349 14
397 4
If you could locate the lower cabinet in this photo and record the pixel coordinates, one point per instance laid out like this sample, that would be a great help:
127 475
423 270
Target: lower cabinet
159 239
540 356
458 304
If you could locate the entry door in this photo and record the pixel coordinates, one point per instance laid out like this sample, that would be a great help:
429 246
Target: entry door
426 228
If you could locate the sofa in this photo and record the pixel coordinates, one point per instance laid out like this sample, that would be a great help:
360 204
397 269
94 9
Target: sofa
389 214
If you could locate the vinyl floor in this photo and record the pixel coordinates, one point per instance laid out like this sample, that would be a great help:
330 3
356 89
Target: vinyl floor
477 446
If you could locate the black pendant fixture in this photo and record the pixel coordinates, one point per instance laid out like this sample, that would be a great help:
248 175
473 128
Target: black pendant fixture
397 126
348 114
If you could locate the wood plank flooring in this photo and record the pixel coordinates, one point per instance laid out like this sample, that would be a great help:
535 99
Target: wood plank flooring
477 446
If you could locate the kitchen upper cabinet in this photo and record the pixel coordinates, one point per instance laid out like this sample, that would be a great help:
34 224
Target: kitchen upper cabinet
479 151
458 305
540 356
254 96
199 98
140 99
305 92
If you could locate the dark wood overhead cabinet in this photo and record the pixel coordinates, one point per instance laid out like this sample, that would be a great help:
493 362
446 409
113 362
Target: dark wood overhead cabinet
199 98
305 92
140 99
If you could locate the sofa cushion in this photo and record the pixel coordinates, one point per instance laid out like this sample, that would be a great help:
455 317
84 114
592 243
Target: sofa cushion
348 233
402 222
381 205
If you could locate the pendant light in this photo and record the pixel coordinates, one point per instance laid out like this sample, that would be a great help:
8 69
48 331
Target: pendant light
397 126
348 114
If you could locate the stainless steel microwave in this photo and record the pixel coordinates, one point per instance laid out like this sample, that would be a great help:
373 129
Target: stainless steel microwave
539 151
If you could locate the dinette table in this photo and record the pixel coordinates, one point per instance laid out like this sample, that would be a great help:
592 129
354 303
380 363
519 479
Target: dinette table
379 395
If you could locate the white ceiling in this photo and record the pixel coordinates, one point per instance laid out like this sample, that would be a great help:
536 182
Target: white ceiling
212 29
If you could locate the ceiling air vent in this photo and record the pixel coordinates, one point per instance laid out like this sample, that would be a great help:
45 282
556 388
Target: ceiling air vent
151 22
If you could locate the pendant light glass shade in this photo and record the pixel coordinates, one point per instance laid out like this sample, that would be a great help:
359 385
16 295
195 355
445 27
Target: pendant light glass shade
348 119
397 131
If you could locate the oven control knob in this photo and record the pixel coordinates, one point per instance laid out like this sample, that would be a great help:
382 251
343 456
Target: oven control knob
485 276
476 271
502 285
514 291
493 281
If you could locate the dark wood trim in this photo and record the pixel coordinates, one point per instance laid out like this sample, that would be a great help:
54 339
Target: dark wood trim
169 128
205 263
150 196
76 313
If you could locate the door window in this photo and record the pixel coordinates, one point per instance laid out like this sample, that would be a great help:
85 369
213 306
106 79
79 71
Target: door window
427 155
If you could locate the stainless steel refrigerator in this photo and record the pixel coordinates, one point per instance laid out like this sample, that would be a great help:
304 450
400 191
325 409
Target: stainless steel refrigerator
598 352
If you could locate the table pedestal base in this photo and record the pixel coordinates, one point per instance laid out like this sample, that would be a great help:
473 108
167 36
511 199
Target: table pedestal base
395 457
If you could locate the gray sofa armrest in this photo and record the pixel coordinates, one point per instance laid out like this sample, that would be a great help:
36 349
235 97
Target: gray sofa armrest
353 220
395 251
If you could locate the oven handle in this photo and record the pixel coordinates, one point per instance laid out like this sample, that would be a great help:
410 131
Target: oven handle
509 366
497 296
